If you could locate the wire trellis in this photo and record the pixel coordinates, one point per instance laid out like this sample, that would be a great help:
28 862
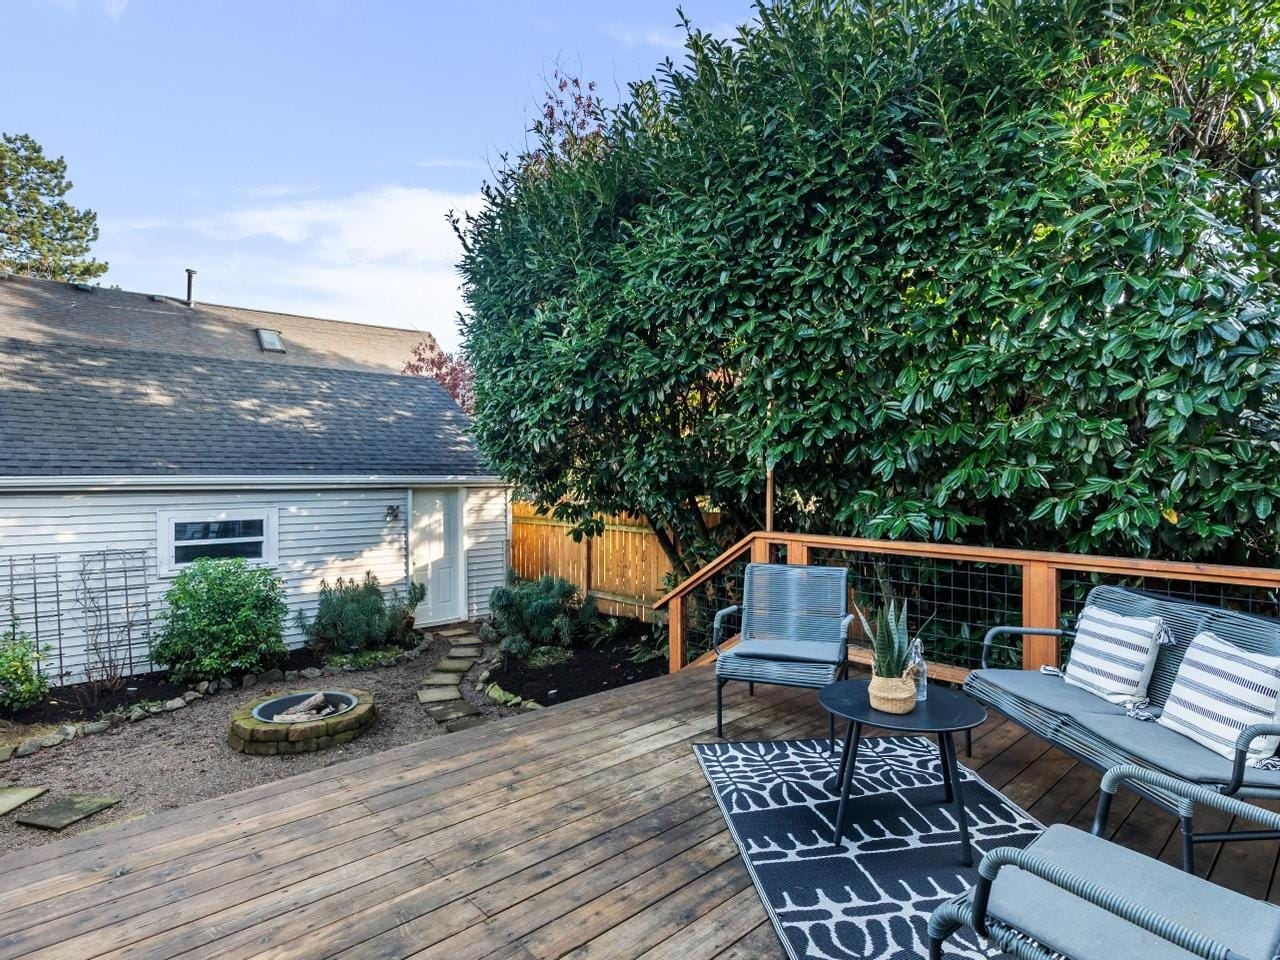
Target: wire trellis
92 611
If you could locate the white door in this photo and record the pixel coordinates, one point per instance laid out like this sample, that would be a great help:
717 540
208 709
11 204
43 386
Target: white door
435 542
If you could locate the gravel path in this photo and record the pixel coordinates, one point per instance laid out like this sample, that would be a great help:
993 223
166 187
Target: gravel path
179 758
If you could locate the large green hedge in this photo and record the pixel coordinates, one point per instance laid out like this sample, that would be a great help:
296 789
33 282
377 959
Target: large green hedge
994 274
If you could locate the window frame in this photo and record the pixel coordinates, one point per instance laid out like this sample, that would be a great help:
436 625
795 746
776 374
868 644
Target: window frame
166 520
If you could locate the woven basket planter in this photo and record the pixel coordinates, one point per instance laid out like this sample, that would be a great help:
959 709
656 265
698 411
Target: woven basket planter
893 694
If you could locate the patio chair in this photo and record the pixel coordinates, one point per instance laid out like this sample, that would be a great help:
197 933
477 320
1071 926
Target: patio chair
795 630
1075 894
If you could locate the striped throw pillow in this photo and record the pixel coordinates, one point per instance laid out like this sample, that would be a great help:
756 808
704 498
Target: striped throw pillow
1113 655
1221 689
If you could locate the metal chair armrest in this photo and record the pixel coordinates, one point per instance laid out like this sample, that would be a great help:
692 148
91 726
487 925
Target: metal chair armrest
1017 632
1241 759
1190 793
717 626
1090 892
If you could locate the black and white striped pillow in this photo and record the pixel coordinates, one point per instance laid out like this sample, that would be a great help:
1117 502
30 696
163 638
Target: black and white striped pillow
1113 655
1221 689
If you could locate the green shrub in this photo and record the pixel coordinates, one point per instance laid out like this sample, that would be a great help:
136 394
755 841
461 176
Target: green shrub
547 612
224 617
21 682
980 273
355 615
400 609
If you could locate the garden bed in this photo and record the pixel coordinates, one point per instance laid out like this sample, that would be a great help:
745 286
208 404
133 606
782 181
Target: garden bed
589 670
79 702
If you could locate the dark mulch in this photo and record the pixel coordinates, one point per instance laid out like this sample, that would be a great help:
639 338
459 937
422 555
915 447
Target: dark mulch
78 702
588 671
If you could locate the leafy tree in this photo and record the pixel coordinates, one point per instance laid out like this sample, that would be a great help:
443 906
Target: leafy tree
995 273
41 234
450 370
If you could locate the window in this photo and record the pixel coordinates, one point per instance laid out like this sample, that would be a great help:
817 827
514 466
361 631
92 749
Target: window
270 340
186 535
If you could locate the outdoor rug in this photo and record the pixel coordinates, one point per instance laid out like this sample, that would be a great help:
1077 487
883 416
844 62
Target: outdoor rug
871 897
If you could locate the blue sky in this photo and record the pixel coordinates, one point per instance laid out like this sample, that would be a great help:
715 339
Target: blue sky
302 154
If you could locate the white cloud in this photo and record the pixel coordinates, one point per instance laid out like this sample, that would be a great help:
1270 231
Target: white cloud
447 164
385 256
669 40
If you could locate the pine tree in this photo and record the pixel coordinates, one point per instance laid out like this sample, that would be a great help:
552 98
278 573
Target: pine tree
41 234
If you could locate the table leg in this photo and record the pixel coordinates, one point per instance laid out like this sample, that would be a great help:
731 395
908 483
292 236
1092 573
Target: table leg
949 758
946 767
852 737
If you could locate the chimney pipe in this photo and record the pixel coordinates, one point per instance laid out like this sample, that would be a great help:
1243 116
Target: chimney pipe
191 284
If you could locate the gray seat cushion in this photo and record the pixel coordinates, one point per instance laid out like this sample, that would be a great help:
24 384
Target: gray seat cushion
1069 925
1045 692
1154 745
798 651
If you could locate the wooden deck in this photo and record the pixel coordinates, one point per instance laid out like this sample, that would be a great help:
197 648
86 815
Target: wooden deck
586 830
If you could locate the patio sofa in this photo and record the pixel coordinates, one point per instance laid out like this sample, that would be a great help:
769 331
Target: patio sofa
1103 735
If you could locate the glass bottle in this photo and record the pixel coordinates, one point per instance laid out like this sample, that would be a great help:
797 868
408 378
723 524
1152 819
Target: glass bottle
922 670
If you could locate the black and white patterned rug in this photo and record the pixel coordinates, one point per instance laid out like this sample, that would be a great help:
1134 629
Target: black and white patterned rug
870 898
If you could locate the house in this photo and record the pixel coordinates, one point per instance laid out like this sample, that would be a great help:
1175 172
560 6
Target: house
139 432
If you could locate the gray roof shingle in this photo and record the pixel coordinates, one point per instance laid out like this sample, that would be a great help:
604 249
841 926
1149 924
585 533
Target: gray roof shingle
75 407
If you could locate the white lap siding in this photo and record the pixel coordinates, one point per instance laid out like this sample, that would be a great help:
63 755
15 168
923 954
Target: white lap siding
486 514
322 534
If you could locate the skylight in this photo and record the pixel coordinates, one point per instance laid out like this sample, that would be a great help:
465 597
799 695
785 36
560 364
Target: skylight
270 340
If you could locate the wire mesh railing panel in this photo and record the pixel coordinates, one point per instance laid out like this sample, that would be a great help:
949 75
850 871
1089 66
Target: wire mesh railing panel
951 604
1075 587
722 589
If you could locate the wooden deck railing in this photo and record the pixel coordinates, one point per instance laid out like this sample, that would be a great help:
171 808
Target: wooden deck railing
1039 573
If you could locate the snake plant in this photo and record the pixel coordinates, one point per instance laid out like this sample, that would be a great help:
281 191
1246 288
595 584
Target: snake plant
890 639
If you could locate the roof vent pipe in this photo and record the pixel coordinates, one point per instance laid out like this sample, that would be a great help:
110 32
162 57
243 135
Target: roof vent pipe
191 286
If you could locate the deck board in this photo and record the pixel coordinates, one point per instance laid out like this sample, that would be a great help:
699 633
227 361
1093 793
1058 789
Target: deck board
585 830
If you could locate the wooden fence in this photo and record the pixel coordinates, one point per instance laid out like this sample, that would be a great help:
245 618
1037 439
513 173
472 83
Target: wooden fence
982 587
623 569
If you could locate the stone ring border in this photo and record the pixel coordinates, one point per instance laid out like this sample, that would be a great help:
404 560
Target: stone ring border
263 738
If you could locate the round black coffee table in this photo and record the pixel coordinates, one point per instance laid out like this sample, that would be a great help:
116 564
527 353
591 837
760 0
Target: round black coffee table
944 712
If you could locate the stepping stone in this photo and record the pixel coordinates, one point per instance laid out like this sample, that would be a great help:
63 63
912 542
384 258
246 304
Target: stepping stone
452 711
63 813
454 632
470 651
11 798
466 723
442 679
438 694
454 665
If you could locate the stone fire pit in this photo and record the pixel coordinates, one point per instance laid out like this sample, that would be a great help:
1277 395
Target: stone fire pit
254 731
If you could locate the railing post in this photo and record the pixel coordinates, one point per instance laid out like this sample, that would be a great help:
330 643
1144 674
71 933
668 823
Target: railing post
675 634
797 553
1039 609
761 551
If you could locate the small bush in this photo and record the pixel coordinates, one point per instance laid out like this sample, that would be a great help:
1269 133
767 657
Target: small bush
354 616
548 657
653 646
400 615
546 612
224 617
21 682
376 657
605 629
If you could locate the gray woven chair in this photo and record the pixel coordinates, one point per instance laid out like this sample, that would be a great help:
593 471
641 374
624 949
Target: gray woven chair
795 630
1100 734
1074 894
